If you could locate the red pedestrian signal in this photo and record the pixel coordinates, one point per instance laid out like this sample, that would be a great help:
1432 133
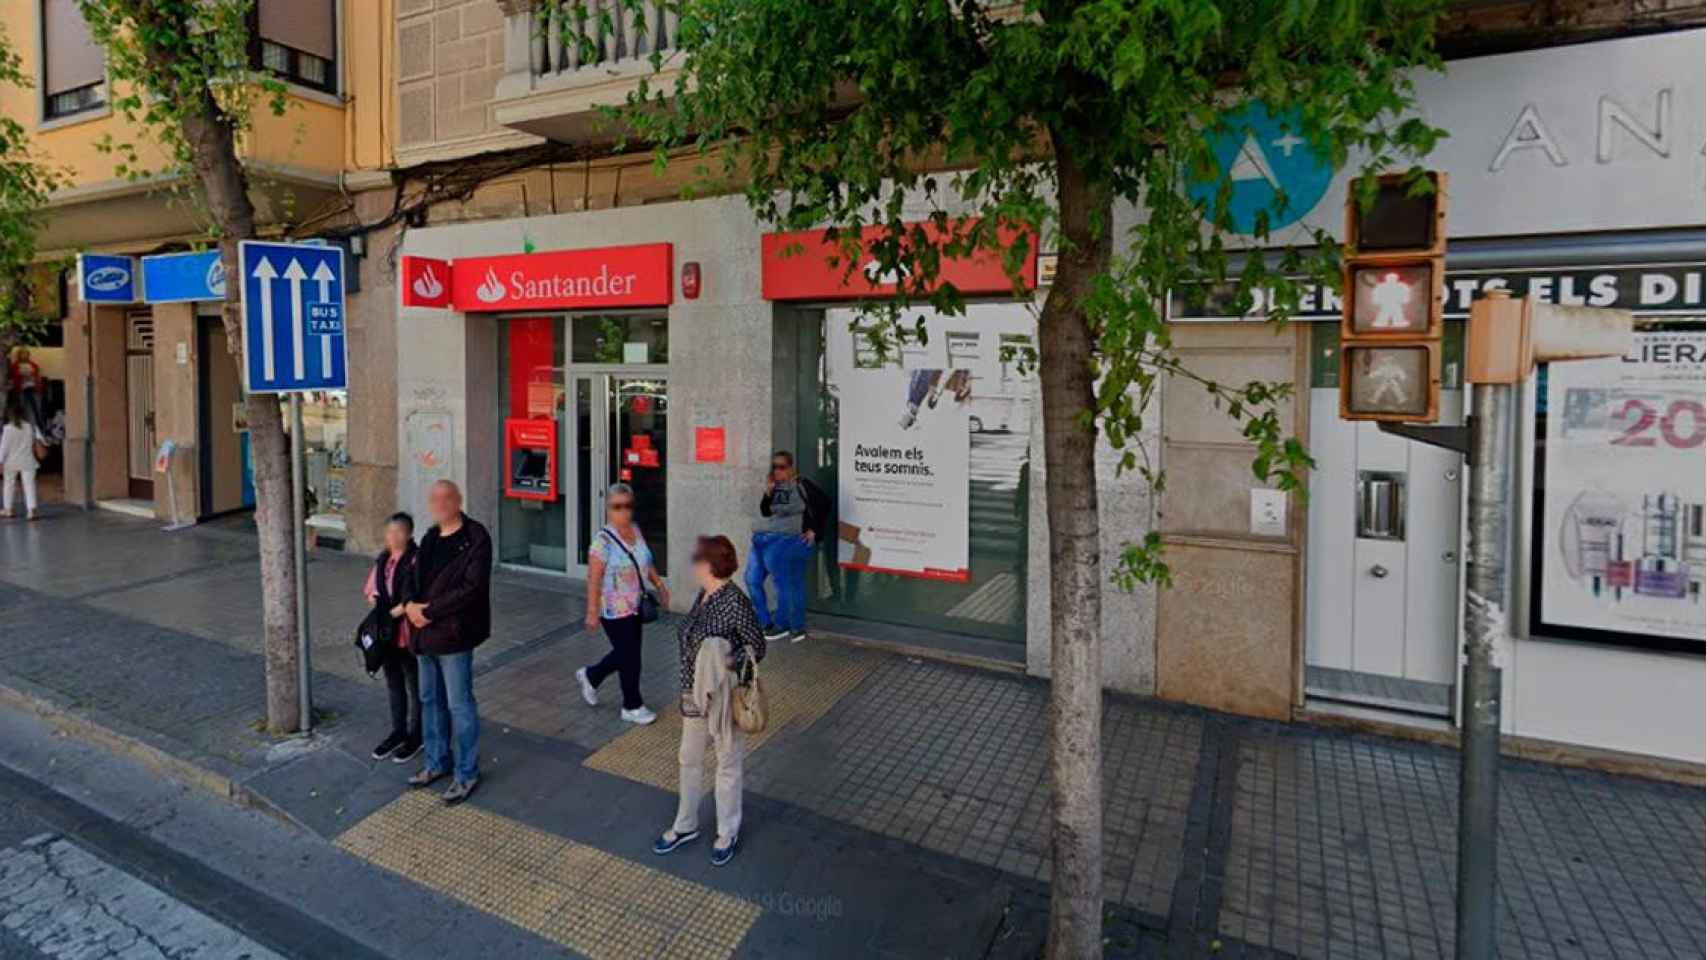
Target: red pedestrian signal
1394 277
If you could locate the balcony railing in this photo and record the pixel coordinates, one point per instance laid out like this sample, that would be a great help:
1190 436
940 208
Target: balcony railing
563 64
600 34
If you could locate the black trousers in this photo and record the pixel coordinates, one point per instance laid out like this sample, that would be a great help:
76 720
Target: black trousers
622 660
403 682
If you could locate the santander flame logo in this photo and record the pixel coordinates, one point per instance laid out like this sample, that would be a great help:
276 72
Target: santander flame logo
875 273
427 286
492 290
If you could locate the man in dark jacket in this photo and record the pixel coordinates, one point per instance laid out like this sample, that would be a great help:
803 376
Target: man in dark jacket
451 615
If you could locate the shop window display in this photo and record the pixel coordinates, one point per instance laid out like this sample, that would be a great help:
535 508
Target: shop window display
924 445
533 530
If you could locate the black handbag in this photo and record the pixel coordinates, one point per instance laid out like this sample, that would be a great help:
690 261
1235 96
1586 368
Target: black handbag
650 608
373 641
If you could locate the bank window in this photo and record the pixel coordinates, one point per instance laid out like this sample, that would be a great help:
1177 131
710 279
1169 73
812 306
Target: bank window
74 68
962 351
325 434
620 339
1018 358
297 41
869 350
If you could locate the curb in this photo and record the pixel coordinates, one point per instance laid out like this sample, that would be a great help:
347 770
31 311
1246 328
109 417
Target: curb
162 762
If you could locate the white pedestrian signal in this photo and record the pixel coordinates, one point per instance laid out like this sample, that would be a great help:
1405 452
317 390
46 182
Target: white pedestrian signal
294 339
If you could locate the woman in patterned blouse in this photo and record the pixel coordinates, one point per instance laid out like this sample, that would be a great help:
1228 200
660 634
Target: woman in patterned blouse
720 611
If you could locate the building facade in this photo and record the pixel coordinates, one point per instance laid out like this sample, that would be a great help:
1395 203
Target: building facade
1575 174
129 378
537 320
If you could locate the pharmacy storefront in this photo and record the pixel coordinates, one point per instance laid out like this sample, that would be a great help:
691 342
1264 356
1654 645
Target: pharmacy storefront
1575 177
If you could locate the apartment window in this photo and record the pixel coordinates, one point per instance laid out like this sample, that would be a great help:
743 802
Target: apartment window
74 71
297 41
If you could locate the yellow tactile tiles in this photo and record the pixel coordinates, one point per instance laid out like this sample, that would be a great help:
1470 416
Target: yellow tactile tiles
587 900
801 683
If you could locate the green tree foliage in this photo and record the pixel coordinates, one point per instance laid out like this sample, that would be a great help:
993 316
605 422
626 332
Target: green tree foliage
853 114
181 70
1085 121
26 183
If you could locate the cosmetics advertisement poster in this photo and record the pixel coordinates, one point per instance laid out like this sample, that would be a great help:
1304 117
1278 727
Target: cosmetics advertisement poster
1623 529
905 473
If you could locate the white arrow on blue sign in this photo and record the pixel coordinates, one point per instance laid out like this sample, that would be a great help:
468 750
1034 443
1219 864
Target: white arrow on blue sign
293 317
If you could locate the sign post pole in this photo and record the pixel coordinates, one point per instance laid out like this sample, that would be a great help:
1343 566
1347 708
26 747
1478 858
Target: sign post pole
299 547
294 343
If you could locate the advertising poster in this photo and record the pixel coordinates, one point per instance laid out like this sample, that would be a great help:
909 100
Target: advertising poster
1621 529
905 473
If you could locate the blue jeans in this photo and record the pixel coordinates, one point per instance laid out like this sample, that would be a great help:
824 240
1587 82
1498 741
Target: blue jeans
782 557
447 705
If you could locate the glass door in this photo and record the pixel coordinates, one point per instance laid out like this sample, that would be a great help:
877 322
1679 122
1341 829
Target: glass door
621 435
638 414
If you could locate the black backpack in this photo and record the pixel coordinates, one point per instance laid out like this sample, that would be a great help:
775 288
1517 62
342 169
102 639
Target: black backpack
374 641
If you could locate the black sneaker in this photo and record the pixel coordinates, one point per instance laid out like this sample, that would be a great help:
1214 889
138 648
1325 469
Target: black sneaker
406 750
775 633
388 745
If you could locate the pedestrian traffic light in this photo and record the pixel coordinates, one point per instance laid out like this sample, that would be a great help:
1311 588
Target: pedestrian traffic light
1394 278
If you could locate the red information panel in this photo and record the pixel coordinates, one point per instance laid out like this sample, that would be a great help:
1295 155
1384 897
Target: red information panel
797 267
710 444
530 459
632 276
425 282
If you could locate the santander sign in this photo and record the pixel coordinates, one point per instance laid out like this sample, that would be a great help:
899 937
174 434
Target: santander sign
629 276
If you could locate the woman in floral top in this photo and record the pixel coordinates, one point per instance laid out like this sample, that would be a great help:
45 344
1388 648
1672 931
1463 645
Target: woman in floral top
721 613
619 564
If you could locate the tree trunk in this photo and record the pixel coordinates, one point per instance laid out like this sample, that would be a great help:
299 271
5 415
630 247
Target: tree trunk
1066 368
214 148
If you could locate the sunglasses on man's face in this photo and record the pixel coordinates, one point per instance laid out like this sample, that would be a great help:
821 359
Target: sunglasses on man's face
621 504
779 467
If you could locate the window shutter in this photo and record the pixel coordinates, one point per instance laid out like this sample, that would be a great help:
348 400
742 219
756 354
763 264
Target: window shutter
307 25
73 59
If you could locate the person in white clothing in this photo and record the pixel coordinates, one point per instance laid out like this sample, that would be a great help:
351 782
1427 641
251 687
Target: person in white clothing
18 439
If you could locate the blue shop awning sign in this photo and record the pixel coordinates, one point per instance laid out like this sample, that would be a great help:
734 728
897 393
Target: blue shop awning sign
183 277
106 278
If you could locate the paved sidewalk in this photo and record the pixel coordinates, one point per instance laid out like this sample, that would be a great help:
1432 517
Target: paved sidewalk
895 808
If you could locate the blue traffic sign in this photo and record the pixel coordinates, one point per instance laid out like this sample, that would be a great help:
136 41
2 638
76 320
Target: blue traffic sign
1264 156
293 317
102 278
183 277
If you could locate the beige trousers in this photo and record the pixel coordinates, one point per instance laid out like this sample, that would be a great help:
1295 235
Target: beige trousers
696 734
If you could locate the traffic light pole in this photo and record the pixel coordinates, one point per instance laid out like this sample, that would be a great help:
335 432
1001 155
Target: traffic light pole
1486 624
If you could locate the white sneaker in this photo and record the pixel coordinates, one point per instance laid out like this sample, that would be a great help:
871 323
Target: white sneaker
639 716
589 693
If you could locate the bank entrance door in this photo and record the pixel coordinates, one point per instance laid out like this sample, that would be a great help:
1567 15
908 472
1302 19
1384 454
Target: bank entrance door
1384 519
620 435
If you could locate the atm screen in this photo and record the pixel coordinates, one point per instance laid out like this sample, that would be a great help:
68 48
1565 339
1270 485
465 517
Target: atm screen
530 469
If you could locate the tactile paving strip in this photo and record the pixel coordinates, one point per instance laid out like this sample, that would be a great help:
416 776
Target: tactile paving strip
801 684
588 900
